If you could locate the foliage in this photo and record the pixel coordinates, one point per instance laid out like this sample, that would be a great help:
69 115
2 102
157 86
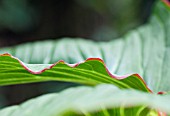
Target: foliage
144 51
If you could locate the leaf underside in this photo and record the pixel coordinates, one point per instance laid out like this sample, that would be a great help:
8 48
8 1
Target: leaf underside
102 100
145 51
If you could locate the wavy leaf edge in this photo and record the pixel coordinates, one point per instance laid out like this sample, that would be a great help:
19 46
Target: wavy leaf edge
118 77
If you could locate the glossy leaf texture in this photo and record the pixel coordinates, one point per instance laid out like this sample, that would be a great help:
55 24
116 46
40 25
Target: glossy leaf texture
144 50
90 72
102 100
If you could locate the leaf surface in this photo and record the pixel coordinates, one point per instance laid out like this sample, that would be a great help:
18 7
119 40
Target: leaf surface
145 51
90 72
102 100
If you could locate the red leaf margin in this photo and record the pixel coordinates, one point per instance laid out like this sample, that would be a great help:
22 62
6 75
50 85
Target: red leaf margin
75 65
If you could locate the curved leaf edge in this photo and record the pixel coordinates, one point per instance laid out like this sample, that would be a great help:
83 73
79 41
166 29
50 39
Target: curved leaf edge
117 77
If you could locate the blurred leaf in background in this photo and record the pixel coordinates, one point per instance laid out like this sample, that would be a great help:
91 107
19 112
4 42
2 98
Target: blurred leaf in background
31 20
120 16
17 19
16 15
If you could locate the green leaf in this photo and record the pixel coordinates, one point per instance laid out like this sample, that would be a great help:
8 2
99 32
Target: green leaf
91 72
144 51
102 100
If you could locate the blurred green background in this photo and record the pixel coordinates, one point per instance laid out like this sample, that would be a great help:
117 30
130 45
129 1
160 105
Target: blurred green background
31 20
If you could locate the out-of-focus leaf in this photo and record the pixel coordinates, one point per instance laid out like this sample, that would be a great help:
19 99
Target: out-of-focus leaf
144 51
103 100
16 15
